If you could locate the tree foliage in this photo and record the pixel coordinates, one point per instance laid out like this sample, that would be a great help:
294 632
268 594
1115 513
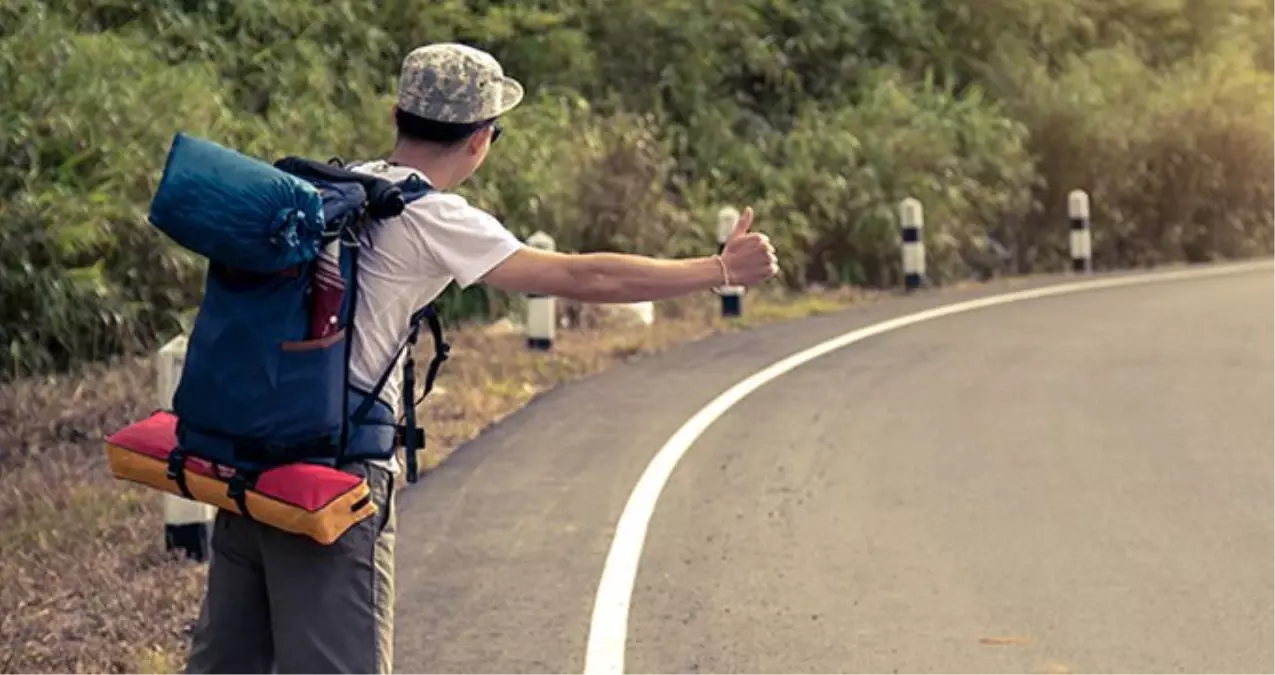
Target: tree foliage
642 118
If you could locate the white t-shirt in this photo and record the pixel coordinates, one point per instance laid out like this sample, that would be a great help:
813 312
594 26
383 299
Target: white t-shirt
438 239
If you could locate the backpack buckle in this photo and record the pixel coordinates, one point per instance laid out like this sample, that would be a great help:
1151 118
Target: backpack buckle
412 439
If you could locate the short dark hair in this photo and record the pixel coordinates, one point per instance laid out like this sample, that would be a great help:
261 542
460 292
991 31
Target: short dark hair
416 128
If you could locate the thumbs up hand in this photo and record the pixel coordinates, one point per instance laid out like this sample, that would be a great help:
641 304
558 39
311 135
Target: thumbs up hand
749 257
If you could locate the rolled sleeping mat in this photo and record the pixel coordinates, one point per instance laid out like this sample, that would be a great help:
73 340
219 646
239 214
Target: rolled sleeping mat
316 501
235 210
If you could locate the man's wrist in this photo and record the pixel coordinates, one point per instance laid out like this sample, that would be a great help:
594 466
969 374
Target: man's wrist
721 262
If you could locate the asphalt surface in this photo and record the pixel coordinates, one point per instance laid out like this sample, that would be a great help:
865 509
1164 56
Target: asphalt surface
1080 483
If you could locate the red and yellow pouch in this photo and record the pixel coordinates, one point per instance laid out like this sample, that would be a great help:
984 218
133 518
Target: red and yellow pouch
316 501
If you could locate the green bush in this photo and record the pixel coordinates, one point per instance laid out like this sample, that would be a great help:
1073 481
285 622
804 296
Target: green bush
833 185
643 118
84 276
1177 162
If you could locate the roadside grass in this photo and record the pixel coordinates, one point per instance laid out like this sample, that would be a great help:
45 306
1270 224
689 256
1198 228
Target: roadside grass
85 582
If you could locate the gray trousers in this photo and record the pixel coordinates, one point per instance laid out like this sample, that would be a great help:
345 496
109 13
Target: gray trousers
279 602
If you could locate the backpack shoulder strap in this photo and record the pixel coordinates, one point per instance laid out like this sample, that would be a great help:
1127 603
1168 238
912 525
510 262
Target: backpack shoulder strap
412 436
414 187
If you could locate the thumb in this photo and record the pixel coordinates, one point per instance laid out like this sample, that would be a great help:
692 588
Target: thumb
741 226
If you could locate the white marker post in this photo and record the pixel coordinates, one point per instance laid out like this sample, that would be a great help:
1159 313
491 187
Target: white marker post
1081 242
732 296
912 218
540 308
187 524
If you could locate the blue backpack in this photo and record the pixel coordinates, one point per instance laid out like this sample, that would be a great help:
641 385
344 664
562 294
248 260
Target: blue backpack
258 389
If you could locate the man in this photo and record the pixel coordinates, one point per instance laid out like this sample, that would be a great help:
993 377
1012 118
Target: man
282 602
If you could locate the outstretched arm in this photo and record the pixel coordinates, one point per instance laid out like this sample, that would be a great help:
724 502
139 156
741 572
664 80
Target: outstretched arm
748 259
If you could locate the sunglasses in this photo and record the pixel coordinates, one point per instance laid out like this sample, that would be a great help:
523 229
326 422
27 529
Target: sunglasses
496 131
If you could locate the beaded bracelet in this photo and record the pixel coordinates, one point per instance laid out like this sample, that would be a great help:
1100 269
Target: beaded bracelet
725 272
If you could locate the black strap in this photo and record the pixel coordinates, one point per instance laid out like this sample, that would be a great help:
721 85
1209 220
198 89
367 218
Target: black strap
411 443
442 350
278 454
360 415
240 483
270 454
349 342
177 472
413 436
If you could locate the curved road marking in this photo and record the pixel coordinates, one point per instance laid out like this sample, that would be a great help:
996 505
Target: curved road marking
609 629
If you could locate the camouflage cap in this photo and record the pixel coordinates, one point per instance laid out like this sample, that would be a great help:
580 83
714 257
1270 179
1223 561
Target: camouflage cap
455 83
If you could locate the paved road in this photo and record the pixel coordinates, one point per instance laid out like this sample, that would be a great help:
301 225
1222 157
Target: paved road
1083 480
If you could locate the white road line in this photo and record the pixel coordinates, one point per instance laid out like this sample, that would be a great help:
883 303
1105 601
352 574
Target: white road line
608 632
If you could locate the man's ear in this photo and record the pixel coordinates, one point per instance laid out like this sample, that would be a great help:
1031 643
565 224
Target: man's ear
476 141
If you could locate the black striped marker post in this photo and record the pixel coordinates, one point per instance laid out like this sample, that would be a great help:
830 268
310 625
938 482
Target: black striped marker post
187 524
912 218
732 296
540 308
1081 239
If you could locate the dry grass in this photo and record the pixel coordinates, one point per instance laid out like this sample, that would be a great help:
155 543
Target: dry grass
85 582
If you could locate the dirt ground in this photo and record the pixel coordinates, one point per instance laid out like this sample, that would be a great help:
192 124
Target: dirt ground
85 582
